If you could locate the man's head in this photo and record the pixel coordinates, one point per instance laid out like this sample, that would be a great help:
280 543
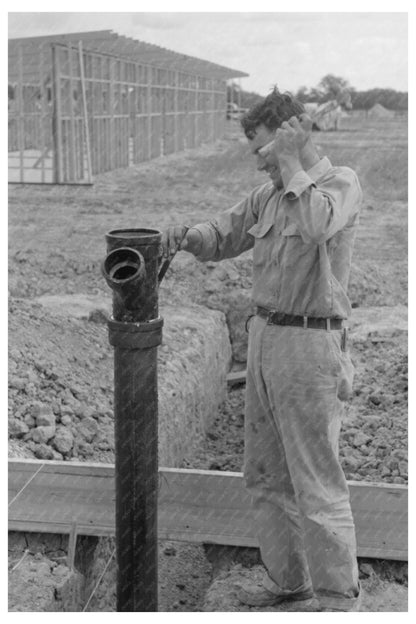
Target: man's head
271 112
260 124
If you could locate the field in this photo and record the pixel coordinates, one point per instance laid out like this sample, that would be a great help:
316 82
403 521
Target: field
56 245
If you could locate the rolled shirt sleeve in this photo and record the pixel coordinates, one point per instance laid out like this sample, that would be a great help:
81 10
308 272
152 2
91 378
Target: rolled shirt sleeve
321 209
227 236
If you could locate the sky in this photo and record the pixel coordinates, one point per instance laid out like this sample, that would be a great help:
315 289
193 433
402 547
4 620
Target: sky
368 49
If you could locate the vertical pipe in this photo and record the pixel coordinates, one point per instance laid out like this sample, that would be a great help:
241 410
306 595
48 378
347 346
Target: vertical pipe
135 331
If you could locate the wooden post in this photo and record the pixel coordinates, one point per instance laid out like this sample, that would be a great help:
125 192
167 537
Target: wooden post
21 122
56 119
72 546
101 142
212 100
149 112
110 131
195 112
43 114
72 152
175 117
85 111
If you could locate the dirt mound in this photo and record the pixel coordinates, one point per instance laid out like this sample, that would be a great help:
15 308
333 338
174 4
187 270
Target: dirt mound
61 379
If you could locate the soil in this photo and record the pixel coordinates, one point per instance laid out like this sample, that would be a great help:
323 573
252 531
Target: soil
60 375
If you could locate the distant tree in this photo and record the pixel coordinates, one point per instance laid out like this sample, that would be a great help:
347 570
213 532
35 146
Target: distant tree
389 98
331 86
302 94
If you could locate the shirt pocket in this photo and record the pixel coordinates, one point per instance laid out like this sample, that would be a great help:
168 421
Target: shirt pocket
294 252
263 243
258 230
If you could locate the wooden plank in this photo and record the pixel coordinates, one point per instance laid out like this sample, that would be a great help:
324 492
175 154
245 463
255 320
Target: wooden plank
57 117
43 103
72 164
194 506
236 377
111 147
21 122
72 545
85 112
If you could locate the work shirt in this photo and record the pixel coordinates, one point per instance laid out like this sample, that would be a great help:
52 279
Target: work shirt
302 239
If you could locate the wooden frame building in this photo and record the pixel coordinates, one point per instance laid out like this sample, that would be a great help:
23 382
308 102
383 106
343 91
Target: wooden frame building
81 104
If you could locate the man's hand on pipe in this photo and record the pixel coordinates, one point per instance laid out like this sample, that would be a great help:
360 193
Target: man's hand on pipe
180 237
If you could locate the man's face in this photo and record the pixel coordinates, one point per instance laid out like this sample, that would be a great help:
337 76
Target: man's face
268 163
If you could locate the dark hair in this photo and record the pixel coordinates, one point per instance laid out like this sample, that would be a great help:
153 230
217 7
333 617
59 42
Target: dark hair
271 111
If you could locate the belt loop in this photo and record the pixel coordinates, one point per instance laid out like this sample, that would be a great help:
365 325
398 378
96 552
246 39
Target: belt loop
305 322
328 324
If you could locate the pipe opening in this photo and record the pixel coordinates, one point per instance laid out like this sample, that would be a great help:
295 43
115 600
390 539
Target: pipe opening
123 271
124 265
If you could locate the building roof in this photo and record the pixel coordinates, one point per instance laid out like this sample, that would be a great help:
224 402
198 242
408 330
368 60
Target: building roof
109 42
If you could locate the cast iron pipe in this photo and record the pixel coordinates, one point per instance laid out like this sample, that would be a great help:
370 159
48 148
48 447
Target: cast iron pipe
135 330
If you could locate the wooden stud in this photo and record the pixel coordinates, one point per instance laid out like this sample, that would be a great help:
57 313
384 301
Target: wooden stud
21 120
149 111
85 112
236 377
111 147
72 165
57 116
72 545
175 119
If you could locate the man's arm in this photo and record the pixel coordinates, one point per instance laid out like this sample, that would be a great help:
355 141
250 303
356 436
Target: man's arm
321 210
223 237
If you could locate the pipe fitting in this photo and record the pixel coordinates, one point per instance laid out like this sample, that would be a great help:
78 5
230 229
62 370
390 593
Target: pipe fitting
124 271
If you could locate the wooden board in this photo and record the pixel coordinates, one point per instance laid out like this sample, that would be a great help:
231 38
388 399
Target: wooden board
194 506
236 377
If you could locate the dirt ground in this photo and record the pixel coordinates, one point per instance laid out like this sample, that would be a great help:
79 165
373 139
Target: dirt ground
60 367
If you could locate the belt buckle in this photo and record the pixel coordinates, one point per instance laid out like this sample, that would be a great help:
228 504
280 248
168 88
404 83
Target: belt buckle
270 315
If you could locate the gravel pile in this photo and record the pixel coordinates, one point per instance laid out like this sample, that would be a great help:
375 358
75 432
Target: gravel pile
60 386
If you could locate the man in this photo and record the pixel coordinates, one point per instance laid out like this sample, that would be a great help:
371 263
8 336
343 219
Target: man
301 225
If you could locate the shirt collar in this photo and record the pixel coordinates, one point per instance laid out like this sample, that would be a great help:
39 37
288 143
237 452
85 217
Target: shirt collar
319 169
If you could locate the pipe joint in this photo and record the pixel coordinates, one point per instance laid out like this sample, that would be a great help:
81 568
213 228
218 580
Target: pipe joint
133 336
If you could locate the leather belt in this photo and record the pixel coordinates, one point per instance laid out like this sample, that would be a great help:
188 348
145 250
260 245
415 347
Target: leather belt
308 322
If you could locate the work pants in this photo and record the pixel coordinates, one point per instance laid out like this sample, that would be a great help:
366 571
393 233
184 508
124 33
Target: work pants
297 381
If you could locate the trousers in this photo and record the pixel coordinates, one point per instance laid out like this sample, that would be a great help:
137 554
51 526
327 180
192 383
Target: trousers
297 383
